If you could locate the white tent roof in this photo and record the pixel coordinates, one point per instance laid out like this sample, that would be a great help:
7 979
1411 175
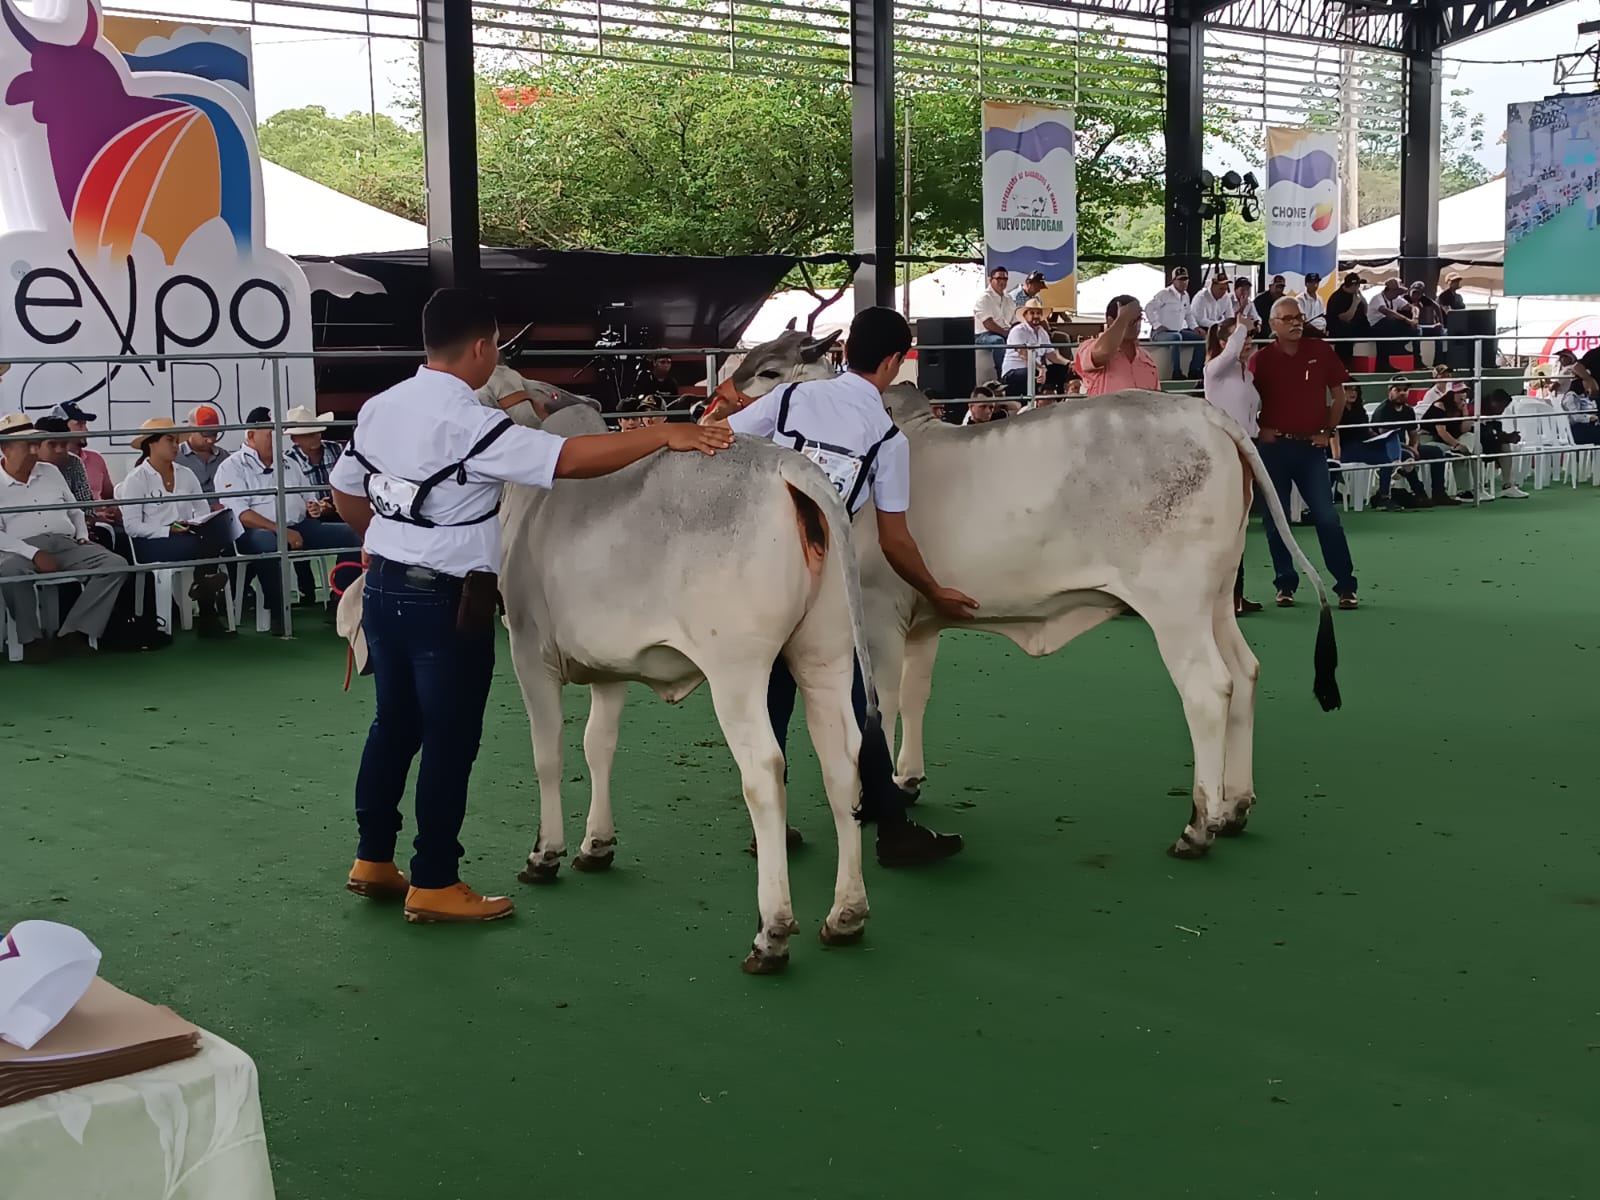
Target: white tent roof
1472 225
303 217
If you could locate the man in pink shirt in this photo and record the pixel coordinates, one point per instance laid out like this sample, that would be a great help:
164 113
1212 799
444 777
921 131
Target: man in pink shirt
94 466
1115 361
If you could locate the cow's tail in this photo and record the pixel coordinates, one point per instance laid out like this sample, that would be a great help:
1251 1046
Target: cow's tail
1325 659
810 484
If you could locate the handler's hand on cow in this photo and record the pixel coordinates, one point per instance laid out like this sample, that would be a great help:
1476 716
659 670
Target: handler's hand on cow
707 439
953 605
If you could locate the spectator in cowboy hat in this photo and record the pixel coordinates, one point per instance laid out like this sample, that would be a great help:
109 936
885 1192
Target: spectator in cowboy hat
176 524
200 452
313 456
34 543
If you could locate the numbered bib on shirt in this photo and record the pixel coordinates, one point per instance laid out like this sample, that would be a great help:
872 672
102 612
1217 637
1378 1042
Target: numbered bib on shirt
390 496
840 468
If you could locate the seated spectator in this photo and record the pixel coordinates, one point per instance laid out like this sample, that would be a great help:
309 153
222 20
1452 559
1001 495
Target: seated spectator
1393 318
1311 306
1345 317
1275 292
56 450
313 456
1498 442
1214 305
985 407
1396 415
1029 350
1172 320
1583 414
1358 441
1114 361
637 411
1430 318
255 469
200 454
655 380
1031 287
1445 424
1245 308
177 525
1438 390
93 464
993 315
44 543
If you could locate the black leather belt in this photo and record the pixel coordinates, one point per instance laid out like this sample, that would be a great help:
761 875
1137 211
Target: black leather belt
418 577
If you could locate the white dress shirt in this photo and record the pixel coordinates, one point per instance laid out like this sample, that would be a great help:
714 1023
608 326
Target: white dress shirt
1232 388
1022 344
416 429
45 485
245 472
994 306
1169 309
1208 310
185 502
1313 310
846 411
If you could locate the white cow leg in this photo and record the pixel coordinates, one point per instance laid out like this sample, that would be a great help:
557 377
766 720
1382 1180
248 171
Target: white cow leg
541 693
916 685
1238 764
837 741
599 748
1205 686
741 704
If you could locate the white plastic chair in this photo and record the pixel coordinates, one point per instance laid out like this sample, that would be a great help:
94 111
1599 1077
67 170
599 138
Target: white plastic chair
242 573
170 583
13 639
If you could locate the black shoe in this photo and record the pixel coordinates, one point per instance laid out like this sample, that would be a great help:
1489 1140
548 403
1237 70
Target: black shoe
206 587
307 600
212 625
907 844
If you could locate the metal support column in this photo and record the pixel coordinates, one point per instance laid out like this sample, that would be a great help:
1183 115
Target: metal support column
872 183
1419 154
1185 140
450 138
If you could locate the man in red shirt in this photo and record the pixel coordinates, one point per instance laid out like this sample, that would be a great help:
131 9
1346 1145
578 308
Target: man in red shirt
1301 381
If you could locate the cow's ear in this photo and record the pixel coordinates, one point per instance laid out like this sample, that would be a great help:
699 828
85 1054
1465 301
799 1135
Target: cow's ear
21 90
811 351
790 325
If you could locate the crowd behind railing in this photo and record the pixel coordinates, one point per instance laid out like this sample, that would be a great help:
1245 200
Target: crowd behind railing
195 533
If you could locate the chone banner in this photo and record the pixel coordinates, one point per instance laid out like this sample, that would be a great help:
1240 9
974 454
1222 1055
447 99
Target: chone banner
1553 196
132 223
1030 196
1300 206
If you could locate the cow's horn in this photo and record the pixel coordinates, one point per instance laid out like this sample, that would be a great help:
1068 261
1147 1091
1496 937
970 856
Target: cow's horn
812 350
91 27
28 41
790 325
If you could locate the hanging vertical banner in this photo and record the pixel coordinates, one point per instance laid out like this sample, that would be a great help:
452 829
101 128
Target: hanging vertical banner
1300 206
1030 196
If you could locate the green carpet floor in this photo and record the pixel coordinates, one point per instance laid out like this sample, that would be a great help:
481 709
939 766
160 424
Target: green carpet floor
1389 988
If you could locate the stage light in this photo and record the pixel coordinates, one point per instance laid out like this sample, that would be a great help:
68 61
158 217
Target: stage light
1231 181
1250 183
1207 181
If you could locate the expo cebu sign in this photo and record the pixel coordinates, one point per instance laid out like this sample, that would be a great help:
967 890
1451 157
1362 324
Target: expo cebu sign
132 227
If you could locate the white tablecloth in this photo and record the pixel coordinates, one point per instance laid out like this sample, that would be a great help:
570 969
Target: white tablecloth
190 1130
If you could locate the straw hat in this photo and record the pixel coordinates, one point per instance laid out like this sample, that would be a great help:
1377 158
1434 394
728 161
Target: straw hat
15 423
305 421
157 426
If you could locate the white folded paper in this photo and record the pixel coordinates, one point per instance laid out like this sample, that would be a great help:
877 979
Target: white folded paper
44 970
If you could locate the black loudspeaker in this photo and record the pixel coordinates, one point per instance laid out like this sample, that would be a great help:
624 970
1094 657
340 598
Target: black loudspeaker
1461 325
945 374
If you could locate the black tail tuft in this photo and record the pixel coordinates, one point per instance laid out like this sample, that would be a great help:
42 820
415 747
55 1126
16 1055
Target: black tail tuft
1325 663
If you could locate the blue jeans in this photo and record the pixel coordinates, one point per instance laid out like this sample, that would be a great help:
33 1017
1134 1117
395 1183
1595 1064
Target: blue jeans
1196 358
993 339
881 798
1372 454
316 535
210 541
1300 464
431 684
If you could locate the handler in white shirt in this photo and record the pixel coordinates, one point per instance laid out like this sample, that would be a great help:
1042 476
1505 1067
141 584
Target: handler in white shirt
841 425
1172 320
43 543
420 482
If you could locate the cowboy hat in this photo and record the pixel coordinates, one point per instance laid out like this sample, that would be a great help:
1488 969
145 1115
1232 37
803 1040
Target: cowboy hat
305 421
157 426
15 423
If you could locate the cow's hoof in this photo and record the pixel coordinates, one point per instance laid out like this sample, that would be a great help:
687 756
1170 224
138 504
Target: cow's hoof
841 937
1184 848
541 872
756 963
594 863
1233 828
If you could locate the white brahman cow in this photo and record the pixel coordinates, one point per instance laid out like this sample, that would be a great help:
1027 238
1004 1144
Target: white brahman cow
671 573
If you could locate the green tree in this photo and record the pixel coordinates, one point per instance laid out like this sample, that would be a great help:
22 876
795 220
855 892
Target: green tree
376 159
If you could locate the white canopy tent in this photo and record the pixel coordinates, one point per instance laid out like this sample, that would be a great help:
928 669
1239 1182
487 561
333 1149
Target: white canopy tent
303 217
